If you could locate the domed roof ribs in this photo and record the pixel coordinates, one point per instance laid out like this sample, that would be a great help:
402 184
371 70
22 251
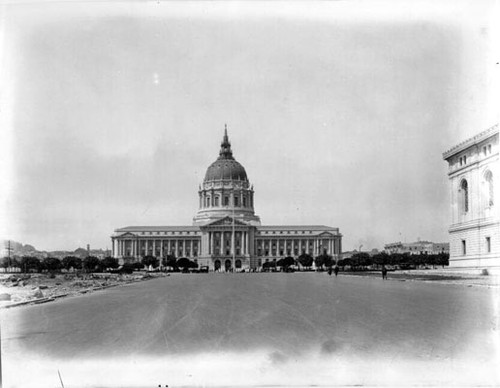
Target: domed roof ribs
225 146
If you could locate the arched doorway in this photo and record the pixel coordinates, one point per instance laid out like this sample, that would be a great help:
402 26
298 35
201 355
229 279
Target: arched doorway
227 265
237 264
217 265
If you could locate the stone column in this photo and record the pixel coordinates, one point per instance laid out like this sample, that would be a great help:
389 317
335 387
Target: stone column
222 247
191 248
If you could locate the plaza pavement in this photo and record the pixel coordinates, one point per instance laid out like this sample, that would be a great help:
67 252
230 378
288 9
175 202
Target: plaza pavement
248 329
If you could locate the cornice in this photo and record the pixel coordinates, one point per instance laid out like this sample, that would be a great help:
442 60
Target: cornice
471 141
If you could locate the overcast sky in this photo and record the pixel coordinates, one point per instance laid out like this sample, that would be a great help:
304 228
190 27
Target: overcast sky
339 111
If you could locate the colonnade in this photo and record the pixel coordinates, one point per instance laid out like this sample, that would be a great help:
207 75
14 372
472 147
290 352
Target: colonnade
295 247
218 241
159 248
242 237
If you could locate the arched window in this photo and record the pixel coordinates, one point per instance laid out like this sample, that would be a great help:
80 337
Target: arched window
465 196
488 177
216 199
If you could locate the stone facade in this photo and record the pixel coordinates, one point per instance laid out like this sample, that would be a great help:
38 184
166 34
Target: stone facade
475 226
226 233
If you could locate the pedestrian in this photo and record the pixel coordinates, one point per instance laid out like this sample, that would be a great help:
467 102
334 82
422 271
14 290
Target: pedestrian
384 272
336 270
330 271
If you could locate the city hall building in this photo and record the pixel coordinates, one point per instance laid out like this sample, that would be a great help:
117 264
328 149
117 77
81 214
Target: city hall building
226 234
475 224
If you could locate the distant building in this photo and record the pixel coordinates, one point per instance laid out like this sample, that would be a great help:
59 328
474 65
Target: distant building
226 234
417 248
475 226
349 254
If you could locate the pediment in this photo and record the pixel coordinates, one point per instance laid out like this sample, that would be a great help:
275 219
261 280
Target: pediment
226 221
127 234
326 234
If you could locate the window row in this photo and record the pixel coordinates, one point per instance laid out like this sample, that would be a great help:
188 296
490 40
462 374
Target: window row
487 245
214 201
486 151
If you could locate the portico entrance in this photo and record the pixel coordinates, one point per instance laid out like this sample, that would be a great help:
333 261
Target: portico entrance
217 265
227 265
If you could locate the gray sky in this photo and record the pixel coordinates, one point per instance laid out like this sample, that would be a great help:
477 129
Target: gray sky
339 112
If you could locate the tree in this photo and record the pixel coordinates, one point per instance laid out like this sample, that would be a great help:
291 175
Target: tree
137 265
127 268
319 261
443 259
324 259
72 262
29 262
169 261
361 259
150 261
380 258
288 261
305 260
90 263
184 263
110 262
269 264
4 262
52 264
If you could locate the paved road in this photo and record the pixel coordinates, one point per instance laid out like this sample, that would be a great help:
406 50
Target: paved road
288 318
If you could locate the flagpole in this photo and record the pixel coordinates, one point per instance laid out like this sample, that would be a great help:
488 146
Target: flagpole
234 242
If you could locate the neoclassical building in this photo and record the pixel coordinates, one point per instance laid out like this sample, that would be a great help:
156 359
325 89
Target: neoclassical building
475 225
226 234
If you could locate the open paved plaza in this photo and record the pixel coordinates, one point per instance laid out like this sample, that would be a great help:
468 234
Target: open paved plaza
247 329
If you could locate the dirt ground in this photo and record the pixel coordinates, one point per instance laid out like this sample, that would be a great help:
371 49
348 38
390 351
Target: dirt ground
19 289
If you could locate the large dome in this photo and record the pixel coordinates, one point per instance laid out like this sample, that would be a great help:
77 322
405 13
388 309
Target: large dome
226 167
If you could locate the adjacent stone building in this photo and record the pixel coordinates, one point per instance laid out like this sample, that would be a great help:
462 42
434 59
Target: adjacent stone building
475 227
226 233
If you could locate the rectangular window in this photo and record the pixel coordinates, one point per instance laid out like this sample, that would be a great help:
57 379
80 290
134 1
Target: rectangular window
460 160
489 148
488 245
464 247
484 150
244 201
226 201
465 159
236 201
